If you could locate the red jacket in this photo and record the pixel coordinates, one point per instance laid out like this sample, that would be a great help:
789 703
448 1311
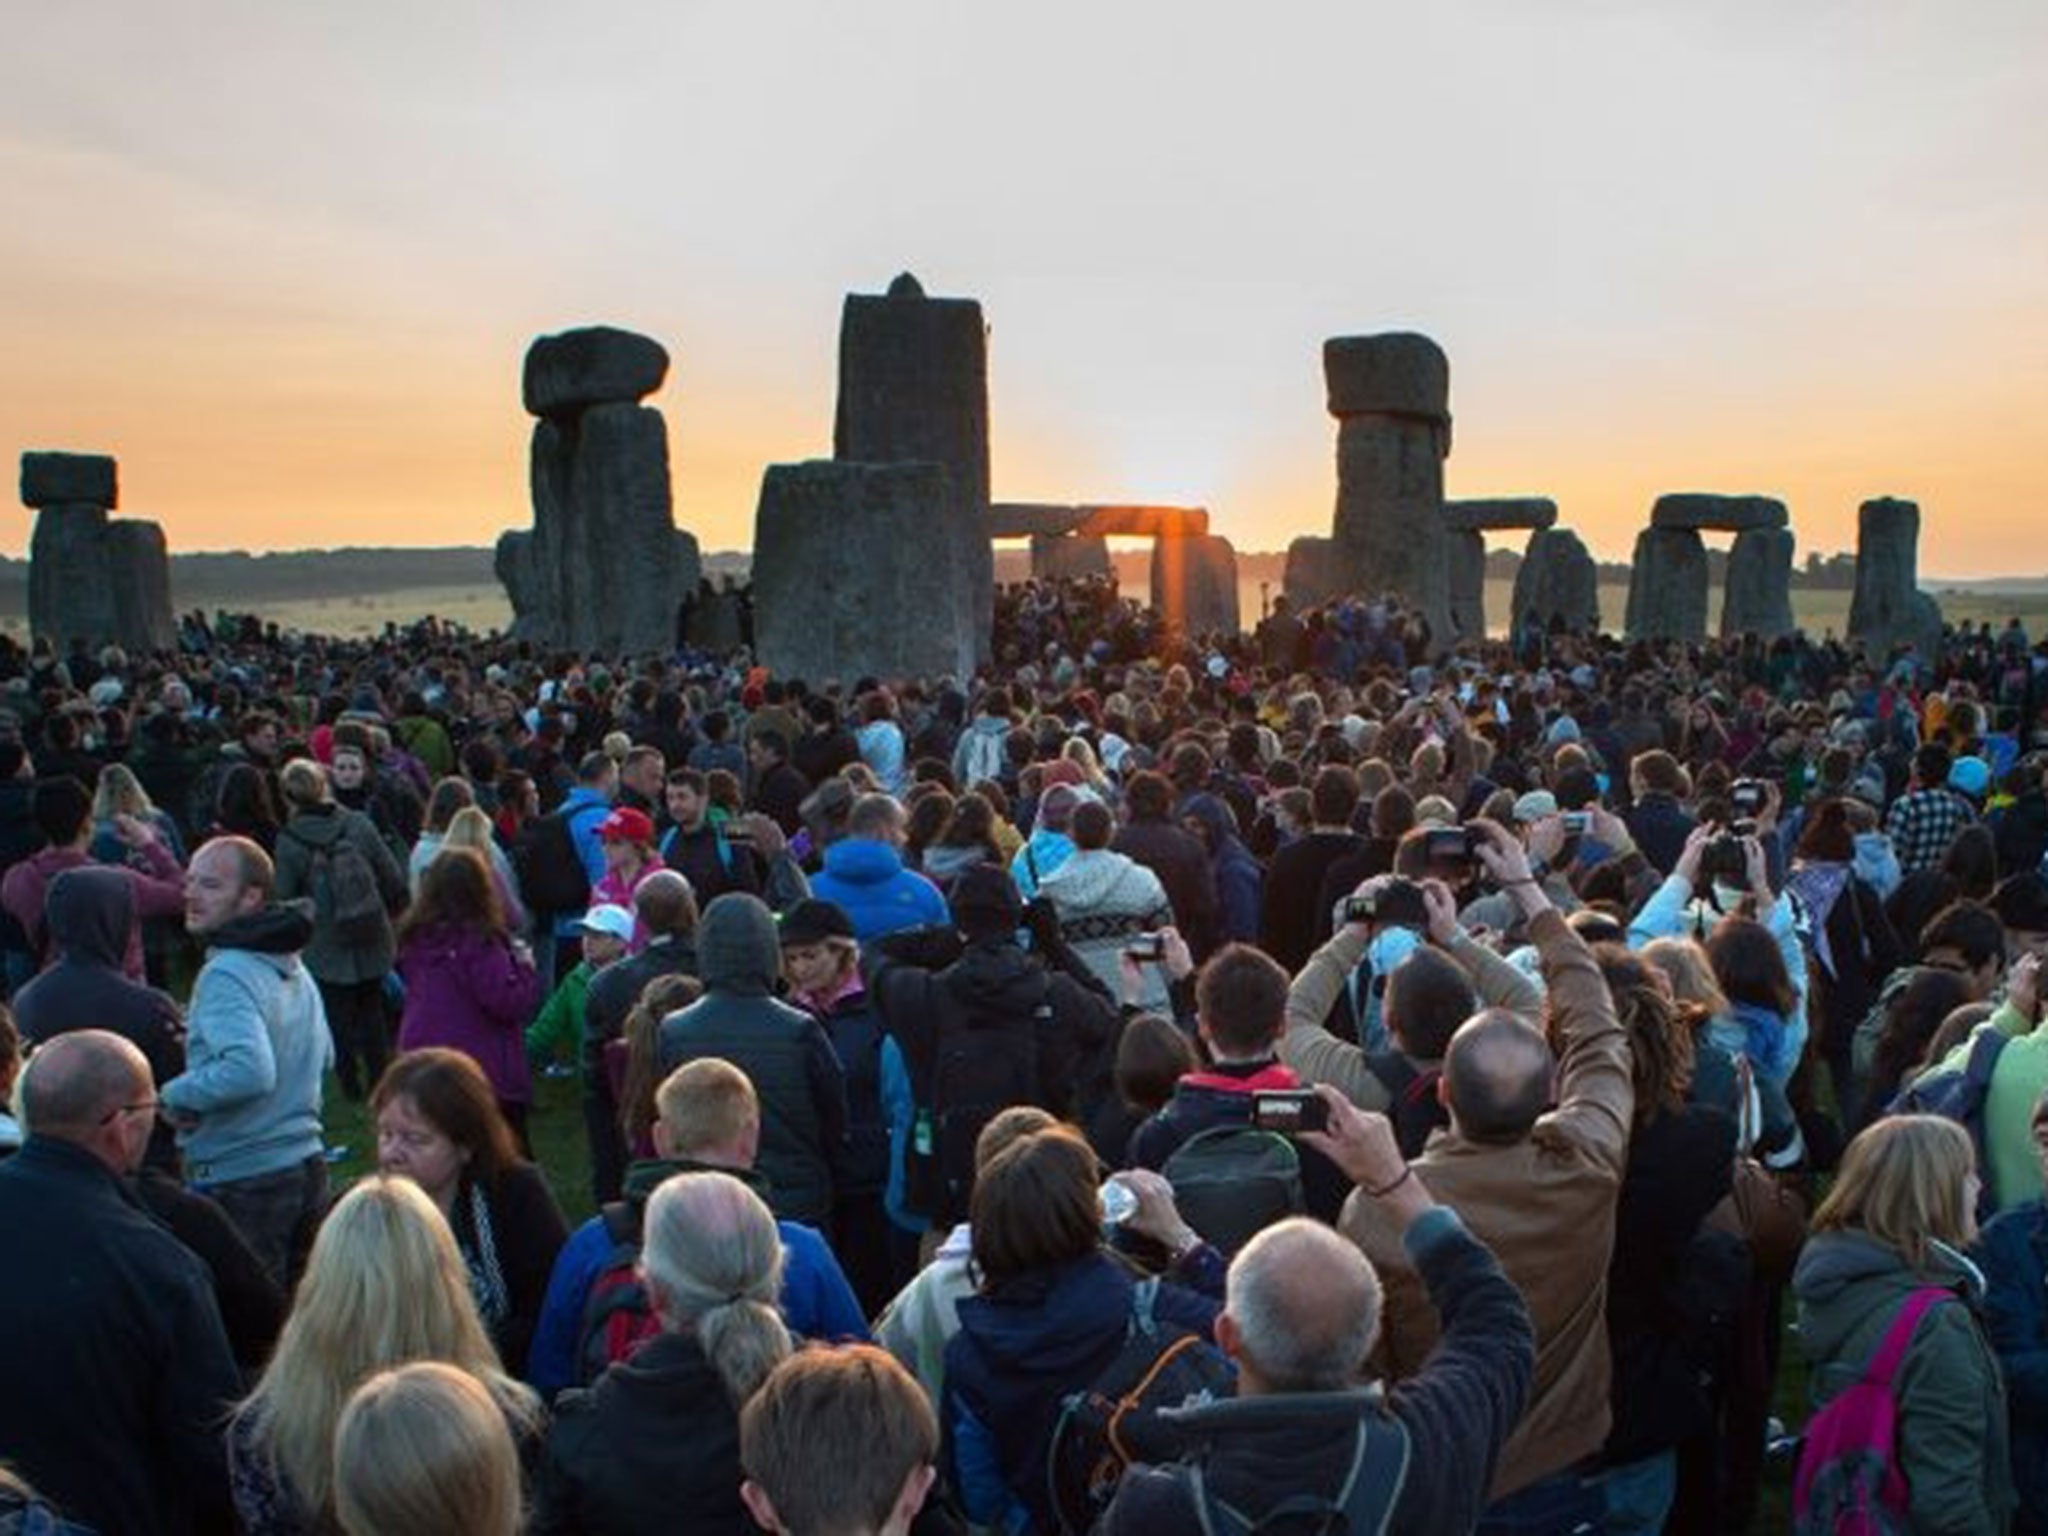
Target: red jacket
159 892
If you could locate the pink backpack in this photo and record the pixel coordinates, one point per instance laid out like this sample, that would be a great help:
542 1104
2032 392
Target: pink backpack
1849 1483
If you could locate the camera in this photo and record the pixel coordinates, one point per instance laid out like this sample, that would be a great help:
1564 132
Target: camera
1576 823
1725 858
1449 845
1748 796
1290 1111
1397 902
1146 947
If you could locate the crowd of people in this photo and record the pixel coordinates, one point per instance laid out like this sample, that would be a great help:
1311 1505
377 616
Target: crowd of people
1295 1081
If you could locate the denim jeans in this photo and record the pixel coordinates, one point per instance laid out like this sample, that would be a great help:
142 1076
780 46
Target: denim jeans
1639 1494
1568 1503
276 1213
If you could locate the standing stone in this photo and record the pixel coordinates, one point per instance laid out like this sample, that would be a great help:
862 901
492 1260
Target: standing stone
1391 397
1068 557
1311 577
1559 582
1756 596
1705 509
1889 609
604 567
1467 552
1194 584
913 387
1493 514
1667 589
903 609
102 580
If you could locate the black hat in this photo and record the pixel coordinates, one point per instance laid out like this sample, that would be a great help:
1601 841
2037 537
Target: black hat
985 901
811 921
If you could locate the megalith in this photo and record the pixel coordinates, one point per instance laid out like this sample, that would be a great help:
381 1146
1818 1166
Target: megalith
1194 583
1466 524
1756 595
102 580
604 567
1707 509
913 387
1069 556
1311 578
1559 582
904 608
1667 588
1888 609
1391 397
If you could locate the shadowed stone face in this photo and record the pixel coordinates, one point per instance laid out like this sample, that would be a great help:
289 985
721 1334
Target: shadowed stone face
1194 583
597 365
1889 609
1558 579
93 578
1757 597
70 479
1667 590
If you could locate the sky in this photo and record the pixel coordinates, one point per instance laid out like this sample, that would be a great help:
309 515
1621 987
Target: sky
284 259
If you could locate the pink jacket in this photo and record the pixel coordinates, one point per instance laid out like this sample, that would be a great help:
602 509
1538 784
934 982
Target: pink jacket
159 892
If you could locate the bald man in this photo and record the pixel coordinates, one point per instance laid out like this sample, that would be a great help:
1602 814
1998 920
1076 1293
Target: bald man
118 1371
1539 1186
1305 1430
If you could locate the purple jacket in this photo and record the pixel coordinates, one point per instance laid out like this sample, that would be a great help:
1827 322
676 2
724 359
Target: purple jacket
472 994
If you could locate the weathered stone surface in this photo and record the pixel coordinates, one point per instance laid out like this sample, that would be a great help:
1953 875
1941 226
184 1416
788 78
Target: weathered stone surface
1312 577
913 387
1704 509
1194 584
1757 590
51 479
1034 519
139 585
1389 534
596 365
516 564
1667 590
1466 552
1558 580
1498 512
1888 609
1068 557
106 581
716 623
1398 373
903 608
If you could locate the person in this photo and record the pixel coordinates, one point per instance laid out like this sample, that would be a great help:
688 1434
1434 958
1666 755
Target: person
10 1071
63 814
247 806
1301 1311
1049 1315
471 827
708 1120
2019 1076
1154 838
579 814
469 983
450 795
1106 901
607 931
384 1285
1049 846
778 789
641 774
1538 1185
438 1125
880 740
2016 1321
118 1370
1237 875
350 954
1925 820
659 1433
1853 946
90 912
1896 1221
1288 922
422 1450
863 874
1657 819
783 1050
703 850
627 837
838 1440
247 1105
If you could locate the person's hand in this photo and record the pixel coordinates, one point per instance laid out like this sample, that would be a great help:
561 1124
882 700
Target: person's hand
1546 838
1442 908
764 834
2023 986
1694 852
1130 978
1369 886
1362 1144
1774 801
133 831
1759 869
1501 854
1156 1217
1176 959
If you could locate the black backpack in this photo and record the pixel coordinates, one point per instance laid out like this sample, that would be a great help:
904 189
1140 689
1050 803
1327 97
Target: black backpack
1231 1182
1361 1506
982 1063
551 873
345 889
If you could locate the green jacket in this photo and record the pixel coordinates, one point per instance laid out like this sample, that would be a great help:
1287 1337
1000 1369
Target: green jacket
1952 1428
560 1020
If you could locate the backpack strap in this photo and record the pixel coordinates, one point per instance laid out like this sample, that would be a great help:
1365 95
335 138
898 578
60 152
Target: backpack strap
621 1222
1364 1501
1885 1363
1144 1299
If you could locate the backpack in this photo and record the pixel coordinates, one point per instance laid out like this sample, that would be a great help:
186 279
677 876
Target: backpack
345 889
1231 1182
1848 1482
984 759
1119 1419
1361 1506
981 1065
617 1317
1960 1096
551 873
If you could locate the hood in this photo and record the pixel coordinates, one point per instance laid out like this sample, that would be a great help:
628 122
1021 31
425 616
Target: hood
1241 1078
1215 818
737 946
995 984
1842 1277
88 913
318 826
282 928
643 1178
989 725
1094 880
863 861
944 863
1052 1324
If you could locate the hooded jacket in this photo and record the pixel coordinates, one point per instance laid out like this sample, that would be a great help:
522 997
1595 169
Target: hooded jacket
90 914
308 839
471 991
1236 873
255 1053
158 891
866 878
783 1050
1104 900
1951 1399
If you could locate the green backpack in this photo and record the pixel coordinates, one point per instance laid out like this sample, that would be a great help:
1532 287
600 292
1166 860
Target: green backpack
1231 1182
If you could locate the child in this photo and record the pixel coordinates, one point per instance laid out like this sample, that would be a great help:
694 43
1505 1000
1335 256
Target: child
607 931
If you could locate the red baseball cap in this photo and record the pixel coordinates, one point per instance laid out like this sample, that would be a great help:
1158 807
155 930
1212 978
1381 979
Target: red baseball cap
626 825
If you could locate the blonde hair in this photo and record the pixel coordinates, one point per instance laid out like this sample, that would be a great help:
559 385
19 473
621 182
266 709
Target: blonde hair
304 782
1685 965
423 1450
120 793
713 1260
1903 1181
470 827
385 1284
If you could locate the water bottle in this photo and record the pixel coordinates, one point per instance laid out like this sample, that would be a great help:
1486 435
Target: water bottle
1119 1203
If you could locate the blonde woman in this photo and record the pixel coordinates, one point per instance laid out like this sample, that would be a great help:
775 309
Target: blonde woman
1724 1077
424 1450
384 1285
1893 1227
120 793
471 827
712 1259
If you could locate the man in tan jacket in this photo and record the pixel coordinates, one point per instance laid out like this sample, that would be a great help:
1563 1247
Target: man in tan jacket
1538 1185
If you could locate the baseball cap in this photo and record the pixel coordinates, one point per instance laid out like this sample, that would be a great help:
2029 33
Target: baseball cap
608 919
1535 805
1971 775
626 825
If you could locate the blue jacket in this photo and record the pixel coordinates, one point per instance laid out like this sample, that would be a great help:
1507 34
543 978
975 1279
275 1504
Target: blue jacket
583 809
866 878
2014 1253
1044 852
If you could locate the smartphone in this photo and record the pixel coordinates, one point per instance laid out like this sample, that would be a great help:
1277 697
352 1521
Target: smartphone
1576 823
1290 1111
1448 845
1147 948
1747 797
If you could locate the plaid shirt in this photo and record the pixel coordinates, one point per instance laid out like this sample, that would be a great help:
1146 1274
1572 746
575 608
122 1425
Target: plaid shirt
1922 825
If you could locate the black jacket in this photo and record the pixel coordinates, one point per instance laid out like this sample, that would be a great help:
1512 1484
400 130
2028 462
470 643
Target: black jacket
1183 869
88 913
251 1305
1288 920
118 1372
615 989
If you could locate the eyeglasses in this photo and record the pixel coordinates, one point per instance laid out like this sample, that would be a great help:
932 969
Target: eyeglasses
150 1106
